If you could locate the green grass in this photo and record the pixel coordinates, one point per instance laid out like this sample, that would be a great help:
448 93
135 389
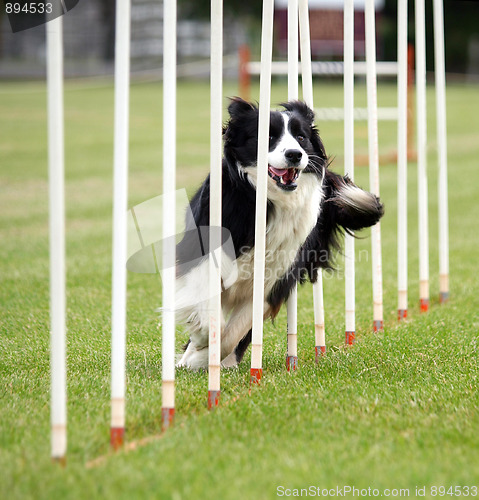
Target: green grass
399 410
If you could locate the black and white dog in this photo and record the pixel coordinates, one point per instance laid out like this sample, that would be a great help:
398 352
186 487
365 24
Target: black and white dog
309 207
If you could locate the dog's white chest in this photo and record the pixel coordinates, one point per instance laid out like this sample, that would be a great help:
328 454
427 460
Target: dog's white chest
289 226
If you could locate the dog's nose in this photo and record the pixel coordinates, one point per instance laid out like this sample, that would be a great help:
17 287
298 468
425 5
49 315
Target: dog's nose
293 155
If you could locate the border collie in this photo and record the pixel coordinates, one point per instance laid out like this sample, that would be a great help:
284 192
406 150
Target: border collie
309 207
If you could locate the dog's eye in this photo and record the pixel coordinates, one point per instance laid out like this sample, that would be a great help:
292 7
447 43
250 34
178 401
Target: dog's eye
300 138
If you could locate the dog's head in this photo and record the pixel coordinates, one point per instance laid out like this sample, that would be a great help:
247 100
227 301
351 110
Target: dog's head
294 144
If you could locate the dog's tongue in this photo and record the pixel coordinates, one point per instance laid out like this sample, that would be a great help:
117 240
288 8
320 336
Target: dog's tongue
278 171
289 176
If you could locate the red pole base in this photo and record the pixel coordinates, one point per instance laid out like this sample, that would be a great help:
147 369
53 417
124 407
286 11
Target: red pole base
319 350
117 435
424 305
378 325
443 297
213 399
167 416
402 314
255 377
350 338
291 363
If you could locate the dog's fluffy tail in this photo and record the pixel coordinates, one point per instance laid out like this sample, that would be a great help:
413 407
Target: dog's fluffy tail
349 206
345 207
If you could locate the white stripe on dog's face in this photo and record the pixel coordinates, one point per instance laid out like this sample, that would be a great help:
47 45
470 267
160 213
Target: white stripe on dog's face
277 158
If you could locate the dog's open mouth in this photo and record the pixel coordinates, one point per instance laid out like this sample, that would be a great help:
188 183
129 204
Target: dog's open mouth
285 177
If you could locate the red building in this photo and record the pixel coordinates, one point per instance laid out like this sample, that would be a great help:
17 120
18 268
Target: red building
326 24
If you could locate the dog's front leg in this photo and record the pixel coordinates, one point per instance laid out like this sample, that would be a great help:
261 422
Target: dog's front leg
238 325
195 356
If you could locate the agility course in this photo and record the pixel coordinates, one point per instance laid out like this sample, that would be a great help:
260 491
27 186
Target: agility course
306 365
120 194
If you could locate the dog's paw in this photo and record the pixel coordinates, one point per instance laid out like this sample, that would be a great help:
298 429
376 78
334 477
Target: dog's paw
230 361
193 358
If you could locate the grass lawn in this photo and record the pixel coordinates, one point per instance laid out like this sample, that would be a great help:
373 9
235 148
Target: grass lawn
399 410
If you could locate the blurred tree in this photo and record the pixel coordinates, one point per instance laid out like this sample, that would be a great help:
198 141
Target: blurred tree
201 8
1 31
108 8
249 12
460 25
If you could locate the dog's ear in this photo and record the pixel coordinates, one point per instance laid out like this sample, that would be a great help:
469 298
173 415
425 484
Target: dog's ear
318 144
301 108
239 107
239 111
350 206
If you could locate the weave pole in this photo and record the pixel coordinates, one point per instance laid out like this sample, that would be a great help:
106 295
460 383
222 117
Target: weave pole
307 84
349 264
305 46
120 202
293 67
292 303
403 146
169 204
371 82
216 88
56 156
440 75
420 23
261 191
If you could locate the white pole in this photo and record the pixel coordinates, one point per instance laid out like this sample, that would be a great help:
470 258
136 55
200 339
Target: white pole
377 272
120 202
307 81
349 264
293 73
319 326
216 88
169 202
305 44
293 67
292 312
402 159
440 74
420 22
58 415
261 190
